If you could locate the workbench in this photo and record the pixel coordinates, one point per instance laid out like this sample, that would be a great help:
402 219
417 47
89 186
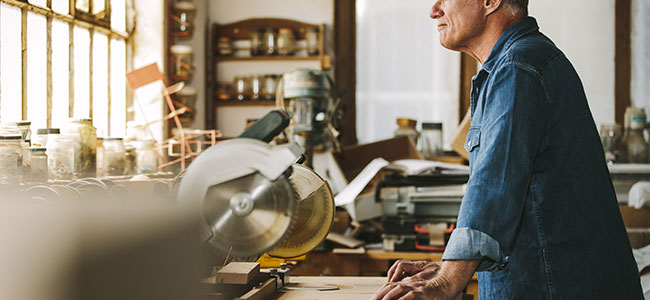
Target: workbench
350 288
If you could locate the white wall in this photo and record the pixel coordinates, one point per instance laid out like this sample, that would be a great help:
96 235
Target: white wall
584 31
231 120
640 85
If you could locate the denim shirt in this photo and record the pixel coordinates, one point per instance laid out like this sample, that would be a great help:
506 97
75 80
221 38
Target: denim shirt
540 210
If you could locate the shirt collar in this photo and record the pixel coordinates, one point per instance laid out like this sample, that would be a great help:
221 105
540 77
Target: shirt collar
513 33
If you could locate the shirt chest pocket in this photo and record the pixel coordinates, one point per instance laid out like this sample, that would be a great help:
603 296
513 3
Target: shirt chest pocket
473 139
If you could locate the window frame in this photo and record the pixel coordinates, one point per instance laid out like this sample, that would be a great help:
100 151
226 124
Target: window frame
76 18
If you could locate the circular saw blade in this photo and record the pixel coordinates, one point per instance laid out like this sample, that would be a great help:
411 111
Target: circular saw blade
315 214
249 215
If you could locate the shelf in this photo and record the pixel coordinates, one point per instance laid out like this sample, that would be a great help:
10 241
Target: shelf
268 58
243 103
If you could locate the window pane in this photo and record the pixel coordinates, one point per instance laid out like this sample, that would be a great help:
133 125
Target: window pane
38 2
36 70
83 5
100 83
118 88
61 6
118 15
81 72
60 73
98 6
10 65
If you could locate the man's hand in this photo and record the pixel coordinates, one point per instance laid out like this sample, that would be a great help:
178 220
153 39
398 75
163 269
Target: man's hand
417 269
448 280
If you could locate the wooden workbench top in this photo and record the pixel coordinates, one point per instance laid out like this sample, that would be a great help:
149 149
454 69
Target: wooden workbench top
350 288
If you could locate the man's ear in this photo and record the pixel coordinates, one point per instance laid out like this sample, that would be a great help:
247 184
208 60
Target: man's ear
491 6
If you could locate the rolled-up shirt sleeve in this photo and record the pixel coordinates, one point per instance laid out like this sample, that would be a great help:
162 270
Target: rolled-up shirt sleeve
507 140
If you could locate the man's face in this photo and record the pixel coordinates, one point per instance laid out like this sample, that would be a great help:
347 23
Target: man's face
459 21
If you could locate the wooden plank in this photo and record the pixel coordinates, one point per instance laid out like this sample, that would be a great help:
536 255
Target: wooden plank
237 273
622 58
262 292
242 29
345 61
389 255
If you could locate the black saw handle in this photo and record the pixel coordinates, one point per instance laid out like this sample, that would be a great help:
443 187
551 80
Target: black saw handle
268 127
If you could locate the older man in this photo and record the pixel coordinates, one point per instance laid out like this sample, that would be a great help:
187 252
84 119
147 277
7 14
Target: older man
540 218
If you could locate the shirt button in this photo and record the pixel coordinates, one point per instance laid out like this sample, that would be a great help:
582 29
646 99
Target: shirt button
469 143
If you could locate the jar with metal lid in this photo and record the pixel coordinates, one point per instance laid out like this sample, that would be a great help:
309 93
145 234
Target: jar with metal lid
269 87
130 159
407 127
60 157
146 157
257 42
313 43
224 91
182 59
83 137
431 140
611 136
286 42
11 152
114 156
40 139
256 86
271 42
184 17
225 46
637 147
242 88
39 165
24 130
187 96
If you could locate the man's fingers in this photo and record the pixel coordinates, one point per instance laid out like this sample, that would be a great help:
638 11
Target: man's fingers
409 296
383 291
397 291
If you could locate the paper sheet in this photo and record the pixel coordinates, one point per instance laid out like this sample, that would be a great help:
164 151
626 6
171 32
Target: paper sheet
356 186
642 257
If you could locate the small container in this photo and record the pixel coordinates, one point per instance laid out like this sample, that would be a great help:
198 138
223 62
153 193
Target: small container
24 130
40 139
187 96
271 42
256 82
225 46
431 140
224 91
242 88
611 136
313 44
146 157
83 136
184 12
114 156
637 147
60 157
269 87
39 165
130 159
182 59
407 127
286 42
101 158
257 42
11 152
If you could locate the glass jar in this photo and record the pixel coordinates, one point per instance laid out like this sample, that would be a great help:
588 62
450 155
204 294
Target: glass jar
60 157
101 158
40 139
269 87
224 91
187 96
182 59
39 165
129 159
431 140
83 137
225 46
286 42
184 17
242 88
146 157
270 42
11 152
257 42
637 147
407 127
24 130
114 156
313 44
255 87
612 138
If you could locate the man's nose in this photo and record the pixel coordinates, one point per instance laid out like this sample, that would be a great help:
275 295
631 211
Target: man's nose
436 12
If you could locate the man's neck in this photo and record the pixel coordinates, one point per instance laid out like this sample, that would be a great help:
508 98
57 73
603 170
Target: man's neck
481 46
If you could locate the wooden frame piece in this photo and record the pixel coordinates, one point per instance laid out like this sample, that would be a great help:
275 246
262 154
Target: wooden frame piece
345 75
622 58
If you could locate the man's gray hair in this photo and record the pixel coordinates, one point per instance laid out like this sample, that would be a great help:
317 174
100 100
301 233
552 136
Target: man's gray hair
517 7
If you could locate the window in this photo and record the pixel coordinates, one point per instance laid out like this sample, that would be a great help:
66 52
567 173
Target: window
73 67
402 71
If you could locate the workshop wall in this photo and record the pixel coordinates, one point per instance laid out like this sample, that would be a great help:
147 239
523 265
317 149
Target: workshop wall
584 31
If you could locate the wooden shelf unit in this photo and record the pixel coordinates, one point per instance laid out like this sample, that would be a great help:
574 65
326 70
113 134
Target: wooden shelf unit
241 31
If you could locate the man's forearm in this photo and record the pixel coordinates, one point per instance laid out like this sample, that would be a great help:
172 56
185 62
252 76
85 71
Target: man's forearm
454 275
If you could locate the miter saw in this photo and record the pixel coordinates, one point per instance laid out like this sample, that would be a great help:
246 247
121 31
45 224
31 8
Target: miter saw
256 198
